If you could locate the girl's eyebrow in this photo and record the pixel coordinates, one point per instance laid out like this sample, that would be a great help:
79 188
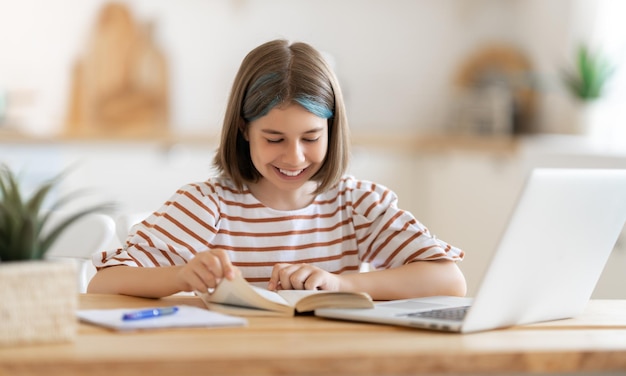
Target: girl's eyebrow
275 132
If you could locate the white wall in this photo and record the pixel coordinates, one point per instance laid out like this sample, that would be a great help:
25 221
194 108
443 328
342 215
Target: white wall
395 59
464 197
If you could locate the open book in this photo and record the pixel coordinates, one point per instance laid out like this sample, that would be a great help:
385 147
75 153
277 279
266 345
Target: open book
238 297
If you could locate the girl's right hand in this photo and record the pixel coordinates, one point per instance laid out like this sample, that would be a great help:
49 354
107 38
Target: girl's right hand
205 271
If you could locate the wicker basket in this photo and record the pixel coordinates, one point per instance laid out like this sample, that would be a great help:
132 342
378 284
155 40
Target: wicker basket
38 302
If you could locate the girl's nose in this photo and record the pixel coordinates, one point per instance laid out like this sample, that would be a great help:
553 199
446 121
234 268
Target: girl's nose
294 154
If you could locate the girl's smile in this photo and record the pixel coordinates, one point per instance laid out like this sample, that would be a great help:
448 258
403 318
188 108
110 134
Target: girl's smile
290 173
287 146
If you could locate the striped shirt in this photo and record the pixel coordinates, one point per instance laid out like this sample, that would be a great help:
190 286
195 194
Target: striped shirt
356 221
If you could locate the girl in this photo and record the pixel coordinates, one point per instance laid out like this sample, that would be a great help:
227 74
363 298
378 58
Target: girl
281 212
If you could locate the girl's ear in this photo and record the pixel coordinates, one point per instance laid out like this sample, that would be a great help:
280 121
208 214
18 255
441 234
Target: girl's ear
243 128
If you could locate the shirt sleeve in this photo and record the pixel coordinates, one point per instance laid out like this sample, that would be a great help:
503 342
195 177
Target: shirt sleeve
183 226
389 236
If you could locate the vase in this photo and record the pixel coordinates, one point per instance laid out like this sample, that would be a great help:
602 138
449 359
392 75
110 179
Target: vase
595 120
38 302
585 114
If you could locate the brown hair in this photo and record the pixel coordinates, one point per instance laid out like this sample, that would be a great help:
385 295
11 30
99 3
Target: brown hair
273 74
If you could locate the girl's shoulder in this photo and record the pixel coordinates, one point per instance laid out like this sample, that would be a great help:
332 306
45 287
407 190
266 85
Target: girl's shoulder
363 195
217 186
359 187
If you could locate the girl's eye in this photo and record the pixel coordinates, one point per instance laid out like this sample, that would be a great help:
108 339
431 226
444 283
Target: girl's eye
274 141
311 139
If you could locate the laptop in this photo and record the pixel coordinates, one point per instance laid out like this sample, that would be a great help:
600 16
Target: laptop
546 266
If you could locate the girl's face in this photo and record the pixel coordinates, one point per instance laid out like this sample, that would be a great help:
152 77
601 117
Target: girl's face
287 147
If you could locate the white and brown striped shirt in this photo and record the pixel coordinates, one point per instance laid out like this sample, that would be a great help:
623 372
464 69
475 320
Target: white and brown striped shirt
356 221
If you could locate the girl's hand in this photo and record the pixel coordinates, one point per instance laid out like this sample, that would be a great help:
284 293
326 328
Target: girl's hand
205 271
302 277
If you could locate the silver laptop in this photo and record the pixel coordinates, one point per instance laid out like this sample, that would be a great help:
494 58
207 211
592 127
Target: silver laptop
549 259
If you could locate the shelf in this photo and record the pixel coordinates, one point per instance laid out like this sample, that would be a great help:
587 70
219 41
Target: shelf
408 142
399 142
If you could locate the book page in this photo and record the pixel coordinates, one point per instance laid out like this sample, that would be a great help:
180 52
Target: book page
309 300
239 293
272 295
240 297
292 297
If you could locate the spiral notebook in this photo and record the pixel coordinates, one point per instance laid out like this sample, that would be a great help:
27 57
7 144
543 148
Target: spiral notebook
185 317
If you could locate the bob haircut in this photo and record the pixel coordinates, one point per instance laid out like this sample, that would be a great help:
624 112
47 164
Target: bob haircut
279 73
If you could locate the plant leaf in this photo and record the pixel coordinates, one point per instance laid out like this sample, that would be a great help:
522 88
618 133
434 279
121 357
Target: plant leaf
21 222
590 75
37 199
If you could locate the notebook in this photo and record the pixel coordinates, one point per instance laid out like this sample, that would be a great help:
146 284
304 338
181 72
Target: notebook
547 263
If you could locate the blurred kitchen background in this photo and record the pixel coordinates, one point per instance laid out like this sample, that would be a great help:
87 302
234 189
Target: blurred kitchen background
451 102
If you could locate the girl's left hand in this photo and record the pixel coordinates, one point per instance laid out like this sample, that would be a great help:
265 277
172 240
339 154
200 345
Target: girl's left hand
302 277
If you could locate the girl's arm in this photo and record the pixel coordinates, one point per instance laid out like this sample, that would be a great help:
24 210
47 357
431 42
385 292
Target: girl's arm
419 278
136 281
203 272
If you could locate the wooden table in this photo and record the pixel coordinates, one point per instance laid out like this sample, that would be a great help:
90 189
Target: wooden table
306 345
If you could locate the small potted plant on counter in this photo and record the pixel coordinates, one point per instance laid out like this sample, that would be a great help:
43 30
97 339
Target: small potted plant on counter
39 296
587 82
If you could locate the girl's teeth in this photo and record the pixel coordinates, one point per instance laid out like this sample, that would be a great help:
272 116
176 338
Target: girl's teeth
290 173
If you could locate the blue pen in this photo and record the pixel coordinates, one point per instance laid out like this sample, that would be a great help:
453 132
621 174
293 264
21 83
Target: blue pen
149 313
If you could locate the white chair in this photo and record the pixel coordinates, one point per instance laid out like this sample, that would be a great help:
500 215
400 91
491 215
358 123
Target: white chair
124 222
88 235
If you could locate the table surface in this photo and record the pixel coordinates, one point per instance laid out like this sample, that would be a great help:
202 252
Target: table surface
593 342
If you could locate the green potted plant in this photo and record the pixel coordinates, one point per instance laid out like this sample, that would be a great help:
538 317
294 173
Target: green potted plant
586 83
590 75
40 295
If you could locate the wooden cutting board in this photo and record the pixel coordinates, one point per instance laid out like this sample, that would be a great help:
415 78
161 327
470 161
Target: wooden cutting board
120 83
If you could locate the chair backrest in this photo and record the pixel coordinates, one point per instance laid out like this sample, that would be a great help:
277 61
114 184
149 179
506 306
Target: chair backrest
88 235
124 222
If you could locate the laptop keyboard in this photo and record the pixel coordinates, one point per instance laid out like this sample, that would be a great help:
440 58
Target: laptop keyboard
452 314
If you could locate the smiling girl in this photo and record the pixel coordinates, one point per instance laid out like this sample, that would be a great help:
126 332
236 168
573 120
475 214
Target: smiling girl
282 212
